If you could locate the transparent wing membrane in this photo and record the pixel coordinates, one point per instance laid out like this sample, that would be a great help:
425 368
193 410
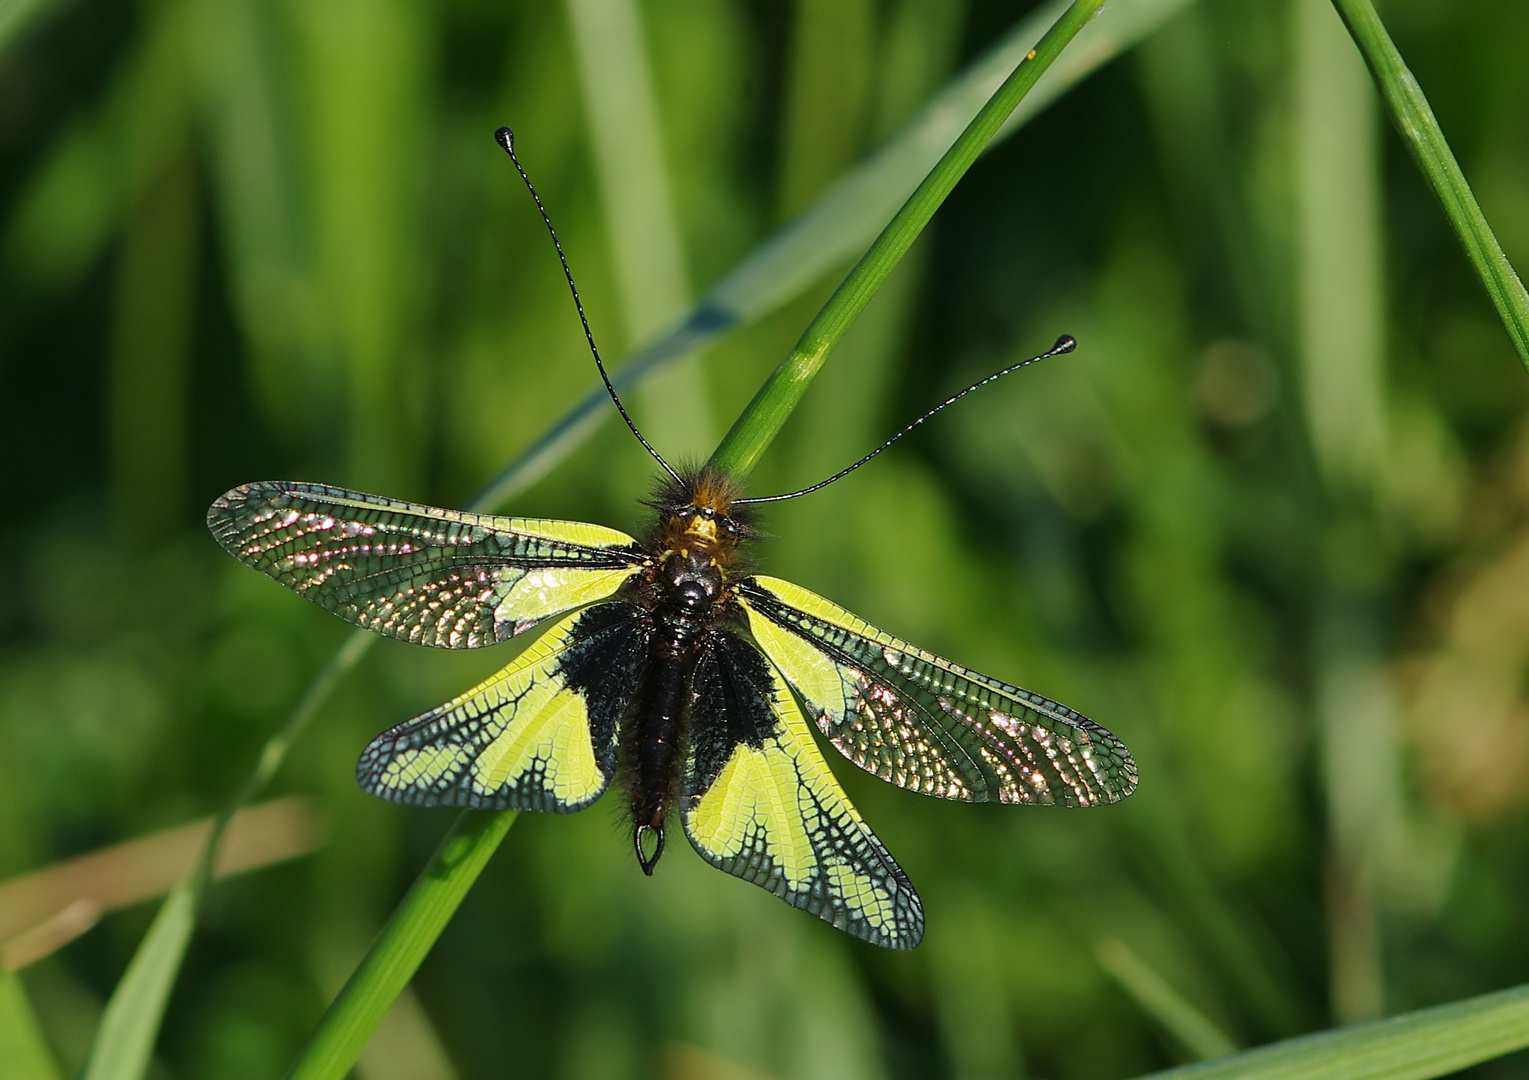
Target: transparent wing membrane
419 573
924 723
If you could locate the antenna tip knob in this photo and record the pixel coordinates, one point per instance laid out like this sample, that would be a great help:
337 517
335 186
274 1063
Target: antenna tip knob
505 138
1064 344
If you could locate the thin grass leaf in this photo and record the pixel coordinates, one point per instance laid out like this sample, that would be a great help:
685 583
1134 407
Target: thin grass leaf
402 945
24 1053
647 252
398 951
850 213
762 420
1410 112
20 17
1172 1010
1415 1046
124 1042
846 217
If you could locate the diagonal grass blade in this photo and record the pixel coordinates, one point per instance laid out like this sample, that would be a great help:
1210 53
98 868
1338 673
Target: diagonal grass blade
1419 128
1415 1046
829 231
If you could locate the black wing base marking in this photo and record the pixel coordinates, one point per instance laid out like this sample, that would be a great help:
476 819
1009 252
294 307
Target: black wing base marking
760 802
539 735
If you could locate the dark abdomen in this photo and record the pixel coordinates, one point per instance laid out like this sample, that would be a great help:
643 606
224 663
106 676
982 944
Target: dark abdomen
658 722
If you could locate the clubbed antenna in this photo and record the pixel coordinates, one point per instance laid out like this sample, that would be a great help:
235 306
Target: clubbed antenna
506 138
1064 344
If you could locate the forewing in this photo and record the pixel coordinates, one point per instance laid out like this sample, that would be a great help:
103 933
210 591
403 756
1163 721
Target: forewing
924 723
539 735
760 802
420 573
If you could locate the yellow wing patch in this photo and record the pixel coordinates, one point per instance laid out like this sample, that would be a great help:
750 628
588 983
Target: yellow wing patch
548 590
421 768
804 663
580 533
419 573
531 737
776 816
550 736
755 802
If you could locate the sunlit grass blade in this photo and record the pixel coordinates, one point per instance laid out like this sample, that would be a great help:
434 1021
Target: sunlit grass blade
1415 1046
130 1024
1414 119
18 17
24 1053
848 215
647 252
398 951
402 945
754 430
1177 1015
124 1042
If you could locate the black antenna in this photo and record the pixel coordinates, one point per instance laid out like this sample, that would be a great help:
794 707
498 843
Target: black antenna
1064 344
506 138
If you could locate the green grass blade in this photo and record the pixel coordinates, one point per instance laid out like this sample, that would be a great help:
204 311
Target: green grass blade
778 397
19 17
647 254
399 950
1173 1011
847 216
24 1053
854 209
402 945
124 1042
1415 1046
130 1023
1410 112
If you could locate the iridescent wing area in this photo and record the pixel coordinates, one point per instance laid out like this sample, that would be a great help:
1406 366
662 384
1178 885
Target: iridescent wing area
419 573
539 735
759 801
924 723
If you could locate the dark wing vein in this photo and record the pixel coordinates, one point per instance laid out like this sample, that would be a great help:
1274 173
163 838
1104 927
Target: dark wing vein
760 802
923 723
426 575
538 735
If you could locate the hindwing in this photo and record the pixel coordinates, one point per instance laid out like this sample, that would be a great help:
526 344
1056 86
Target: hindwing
924 723
759 801
539 735
426 575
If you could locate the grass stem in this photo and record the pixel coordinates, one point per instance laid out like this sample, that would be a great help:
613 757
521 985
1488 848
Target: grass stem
1419 128
402 945
759 423
1415 1046
414 926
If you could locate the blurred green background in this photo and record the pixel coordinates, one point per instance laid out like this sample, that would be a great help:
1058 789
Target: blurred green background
1270 523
